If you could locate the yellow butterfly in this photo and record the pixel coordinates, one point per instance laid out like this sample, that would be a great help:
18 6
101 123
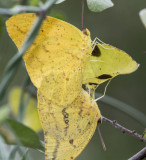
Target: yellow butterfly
105 63
58 63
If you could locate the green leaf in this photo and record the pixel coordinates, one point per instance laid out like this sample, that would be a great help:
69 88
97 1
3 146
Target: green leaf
25 156
60 1
13 152
142 15
99 5
16 133
4 112
33 2
58 14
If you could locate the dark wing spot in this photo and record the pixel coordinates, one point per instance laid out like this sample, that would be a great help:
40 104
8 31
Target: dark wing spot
81 110
79 129
93 84
71 157
96 52
65 130
66 121
71 141
63 110
66 115
56 150
104 76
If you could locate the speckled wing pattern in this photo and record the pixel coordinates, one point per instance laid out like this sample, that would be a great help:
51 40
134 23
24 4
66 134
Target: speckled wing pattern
58 56
68 130
56 63
106 62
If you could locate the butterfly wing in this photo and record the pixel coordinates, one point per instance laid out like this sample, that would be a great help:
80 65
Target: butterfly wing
107 62
57 57
68 129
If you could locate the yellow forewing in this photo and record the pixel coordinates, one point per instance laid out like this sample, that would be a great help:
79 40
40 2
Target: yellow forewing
60 51
67 130
107 62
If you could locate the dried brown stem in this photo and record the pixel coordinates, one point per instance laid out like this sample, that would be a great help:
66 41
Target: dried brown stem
123 129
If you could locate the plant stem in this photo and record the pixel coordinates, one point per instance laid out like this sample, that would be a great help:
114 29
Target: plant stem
140 155
123 129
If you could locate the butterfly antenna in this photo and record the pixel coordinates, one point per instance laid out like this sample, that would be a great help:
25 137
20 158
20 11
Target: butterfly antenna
82 15
101 138
104 91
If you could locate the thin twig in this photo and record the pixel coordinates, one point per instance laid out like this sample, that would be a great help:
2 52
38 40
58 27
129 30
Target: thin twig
125 108
23 9
123 129
82 15
140 155
19 9
102 141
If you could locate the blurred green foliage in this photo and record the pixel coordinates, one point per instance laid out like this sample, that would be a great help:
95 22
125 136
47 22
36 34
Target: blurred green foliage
142 15
14 132
59 15
0 26
4 112
29 108
33 2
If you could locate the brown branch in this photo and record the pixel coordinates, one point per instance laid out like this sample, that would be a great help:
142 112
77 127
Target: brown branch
123 129
140 155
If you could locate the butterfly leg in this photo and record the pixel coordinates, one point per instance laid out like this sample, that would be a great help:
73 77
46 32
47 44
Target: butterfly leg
99 42
104 92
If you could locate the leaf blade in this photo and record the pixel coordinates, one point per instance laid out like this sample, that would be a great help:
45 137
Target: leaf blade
20 134
142 15
99 5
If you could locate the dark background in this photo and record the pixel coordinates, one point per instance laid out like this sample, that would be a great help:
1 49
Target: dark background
119 26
